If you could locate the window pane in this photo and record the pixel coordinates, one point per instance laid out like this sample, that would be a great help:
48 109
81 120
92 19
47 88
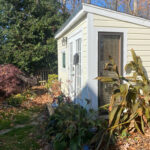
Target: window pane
64 60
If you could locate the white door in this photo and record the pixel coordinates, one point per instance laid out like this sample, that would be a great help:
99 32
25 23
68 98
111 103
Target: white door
74 70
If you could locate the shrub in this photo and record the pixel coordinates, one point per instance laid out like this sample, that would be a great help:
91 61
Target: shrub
132 111
16 100
71 126
13 80
51 79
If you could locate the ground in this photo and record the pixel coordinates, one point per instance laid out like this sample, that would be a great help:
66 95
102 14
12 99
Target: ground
135 141
23 128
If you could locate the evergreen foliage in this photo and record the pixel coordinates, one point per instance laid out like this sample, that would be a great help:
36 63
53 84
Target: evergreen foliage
27 30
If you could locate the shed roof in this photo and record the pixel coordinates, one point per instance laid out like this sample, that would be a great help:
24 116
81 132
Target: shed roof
85 8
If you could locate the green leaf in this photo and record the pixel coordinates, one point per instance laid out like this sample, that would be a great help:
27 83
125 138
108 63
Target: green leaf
128 68
124 90
135 107
137 127
142 125
106 79
60 145
112 114
147 112
75 143
134 56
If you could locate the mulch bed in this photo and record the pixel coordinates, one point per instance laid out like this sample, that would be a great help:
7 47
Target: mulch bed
136 141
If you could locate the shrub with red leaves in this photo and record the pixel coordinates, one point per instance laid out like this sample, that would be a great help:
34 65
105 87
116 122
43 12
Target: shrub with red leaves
13 80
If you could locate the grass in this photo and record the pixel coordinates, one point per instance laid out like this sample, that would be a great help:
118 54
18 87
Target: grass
20 139
13 119
22 135
25 138
5 124
22 119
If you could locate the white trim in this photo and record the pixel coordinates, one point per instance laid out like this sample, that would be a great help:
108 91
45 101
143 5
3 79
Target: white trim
116 15
88 8
93 56
92 63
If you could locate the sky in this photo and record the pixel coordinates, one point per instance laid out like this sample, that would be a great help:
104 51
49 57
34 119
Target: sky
101 3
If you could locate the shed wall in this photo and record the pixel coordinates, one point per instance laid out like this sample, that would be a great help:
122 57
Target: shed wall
138 37
64 73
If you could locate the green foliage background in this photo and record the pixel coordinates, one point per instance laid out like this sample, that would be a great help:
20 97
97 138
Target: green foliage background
27 29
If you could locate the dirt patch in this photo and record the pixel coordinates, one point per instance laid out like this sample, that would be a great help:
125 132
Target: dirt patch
42 97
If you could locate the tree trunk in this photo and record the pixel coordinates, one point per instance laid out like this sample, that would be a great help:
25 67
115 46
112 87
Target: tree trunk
148 9
116 4
89 1
128 6
135 7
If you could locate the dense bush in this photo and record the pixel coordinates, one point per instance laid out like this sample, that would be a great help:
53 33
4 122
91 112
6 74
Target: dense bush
16 100
13 81
71 126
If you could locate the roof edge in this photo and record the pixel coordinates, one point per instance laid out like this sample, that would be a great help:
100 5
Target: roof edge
89 8
116 15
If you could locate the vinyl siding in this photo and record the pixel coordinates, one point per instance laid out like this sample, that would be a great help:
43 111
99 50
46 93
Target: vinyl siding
138 37
63 74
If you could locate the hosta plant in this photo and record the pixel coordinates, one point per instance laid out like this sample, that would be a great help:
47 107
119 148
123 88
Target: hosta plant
129 107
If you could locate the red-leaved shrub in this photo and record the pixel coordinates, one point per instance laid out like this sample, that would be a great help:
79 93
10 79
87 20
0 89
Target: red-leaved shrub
13 80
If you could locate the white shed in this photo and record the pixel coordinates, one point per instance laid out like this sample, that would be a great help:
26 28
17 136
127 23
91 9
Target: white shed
88 38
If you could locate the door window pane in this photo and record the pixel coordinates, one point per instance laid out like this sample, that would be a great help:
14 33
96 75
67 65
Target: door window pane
78 67
110 44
